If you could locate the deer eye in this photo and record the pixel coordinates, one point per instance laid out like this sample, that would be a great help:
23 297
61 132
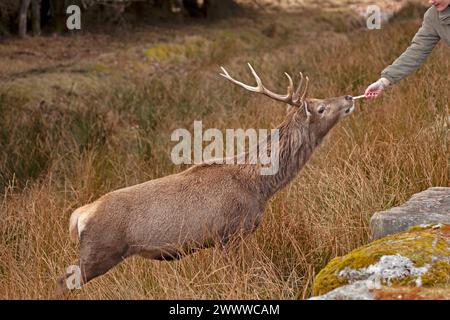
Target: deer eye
321 109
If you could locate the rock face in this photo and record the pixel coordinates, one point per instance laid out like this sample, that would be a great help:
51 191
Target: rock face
413 264
428 207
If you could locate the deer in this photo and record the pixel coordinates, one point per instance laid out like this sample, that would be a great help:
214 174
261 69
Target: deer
208 204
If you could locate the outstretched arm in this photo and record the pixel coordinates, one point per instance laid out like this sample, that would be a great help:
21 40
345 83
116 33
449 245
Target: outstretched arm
421 46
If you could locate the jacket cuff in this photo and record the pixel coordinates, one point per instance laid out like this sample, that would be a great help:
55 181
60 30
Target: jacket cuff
385 81
388 78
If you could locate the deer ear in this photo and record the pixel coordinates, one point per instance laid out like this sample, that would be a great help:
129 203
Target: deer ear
308 113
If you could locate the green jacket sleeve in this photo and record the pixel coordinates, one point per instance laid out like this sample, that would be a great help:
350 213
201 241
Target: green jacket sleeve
421 46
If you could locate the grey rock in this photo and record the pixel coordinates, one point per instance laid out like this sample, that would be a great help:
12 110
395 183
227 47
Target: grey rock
428 207
359 290
363 281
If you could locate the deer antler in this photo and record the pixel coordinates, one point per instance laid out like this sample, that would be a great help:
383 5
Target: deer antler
305 91
291 98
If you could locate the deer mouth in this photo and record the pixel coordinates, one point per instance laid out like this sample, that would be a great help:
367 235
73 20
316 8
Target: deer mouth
350 110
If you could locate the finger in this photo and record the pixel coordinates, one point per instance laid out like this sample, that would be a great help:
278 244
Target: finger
372 88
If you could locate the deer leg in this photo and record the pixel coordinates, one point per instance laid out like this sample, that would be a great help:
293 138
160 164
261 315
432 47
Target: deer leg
95 260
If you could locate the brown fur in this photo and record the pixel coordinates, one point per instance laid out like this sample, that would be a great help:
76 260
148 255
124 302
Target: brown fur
207 204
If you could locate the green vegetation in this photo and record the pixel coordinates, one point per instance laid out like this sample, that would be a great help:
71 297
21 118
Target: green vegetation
423 246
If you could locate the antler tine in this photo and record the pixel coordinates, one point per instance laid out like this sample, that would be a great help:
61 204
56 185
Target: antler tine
297 92
290 88
226 75
305 92
259 88
257 78
296 96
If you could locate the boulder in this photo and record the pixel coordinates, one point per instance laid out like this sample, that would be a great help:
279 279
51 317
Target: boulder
431 206
414 264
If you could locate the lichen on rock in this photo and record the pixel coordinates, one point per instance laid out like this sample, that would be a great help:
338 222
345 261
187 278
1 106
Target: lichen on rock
415 258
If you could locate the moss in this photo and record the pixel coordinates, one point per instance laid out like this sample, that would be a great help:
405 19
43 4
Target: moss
101 68
327 283
418 228
206 49
191 47
442 248
405 281
437 275
163 52
420 245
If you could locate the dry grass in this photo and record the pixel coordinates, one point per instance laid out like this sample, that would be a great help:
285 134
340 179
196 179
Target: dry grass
70 134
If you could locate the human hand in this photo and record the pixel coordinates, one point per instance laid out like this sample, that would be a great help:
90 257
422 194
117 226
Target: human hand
376 88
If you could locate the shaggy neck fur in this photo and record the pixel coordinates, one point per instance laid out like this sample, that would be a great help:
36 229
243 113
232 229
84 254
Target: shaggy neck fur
296 144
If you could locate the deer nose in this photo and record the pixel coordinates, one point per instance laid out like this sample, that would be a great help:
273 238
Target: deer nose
348 98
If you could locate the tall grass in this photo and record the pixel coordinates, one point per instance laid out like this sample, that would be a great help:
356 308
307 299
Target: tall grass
66 151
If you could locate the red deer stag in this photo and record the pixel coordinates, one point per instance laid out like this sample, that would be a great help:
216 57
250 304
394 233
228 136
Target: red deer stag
207 204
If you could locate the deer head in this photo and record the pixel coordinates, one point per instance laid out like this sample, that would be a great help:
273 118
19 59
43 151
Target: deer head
319 115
